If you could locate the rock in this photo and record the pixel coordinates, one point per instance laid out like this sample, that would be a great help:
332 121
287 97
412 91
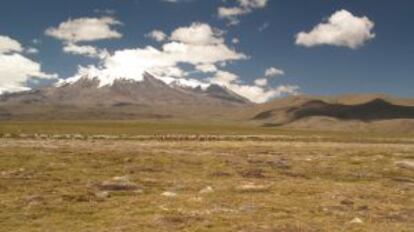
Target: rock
102 195
356 221
206 190
253 173
250 187
169 194
118 186
347 202
363 208
128 160
280 164
139 191
407 164
7 135
121 178
34 200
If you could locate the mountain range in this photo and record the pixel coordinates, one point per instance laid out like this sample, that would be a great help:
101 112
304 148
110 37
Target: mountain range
154 98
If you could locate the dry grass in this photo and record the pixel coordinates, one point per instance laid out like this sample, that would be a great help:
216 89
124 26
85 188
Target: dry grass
56 185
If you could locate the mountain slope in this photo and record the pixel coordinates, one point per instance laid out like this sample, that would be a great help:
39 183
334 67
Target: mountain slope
150 91
305 112
150 97
374 110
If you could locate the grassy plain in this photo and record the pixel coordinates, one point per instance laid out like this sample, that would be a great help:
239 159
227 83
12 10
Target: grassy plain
148 176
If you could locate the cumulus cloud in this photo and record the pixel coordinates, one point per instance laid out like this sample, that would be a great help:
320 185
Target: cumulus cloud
8 44
243 7
132 63
272 72
16 70
200 54
261 82
85 29
258 93
341 29
156 35
253 3
73 32
224 78
198 34
230 12
206 68
84 50
203 52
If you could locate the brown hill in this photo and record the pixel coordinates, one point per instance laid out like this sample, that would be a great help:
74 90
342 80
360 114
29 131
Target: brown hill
339 113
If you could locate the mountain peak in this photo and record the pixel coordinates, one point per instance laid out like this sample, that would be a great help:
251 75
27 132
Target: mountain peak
149 90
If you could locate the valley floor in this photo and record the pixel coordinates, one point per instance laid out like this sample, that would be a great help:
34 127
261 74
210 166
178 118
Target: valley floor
250 184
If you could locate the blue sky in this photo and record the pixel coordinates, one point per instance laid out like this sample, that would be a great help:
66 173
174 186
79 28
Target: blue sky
266 33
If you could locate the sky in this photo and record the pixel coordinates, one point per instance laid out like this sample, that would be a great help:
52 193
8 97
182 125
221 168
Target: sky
261 49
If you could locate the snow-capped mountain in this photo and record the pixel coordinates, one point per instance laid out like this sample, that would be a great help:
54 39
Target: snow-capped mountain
108 91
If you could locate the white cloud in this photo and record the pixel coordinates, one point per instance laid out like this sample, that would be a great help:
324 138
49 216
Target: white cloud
156 35
198 34
8 44
341 29
85 29
244 7
235 41
174 72
202 51
206 68
261 82
72 32
84 50
224 78
16 70
228 12
132 63
272 72
32 50
259 94
287 90
200 54
255 93
253 3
